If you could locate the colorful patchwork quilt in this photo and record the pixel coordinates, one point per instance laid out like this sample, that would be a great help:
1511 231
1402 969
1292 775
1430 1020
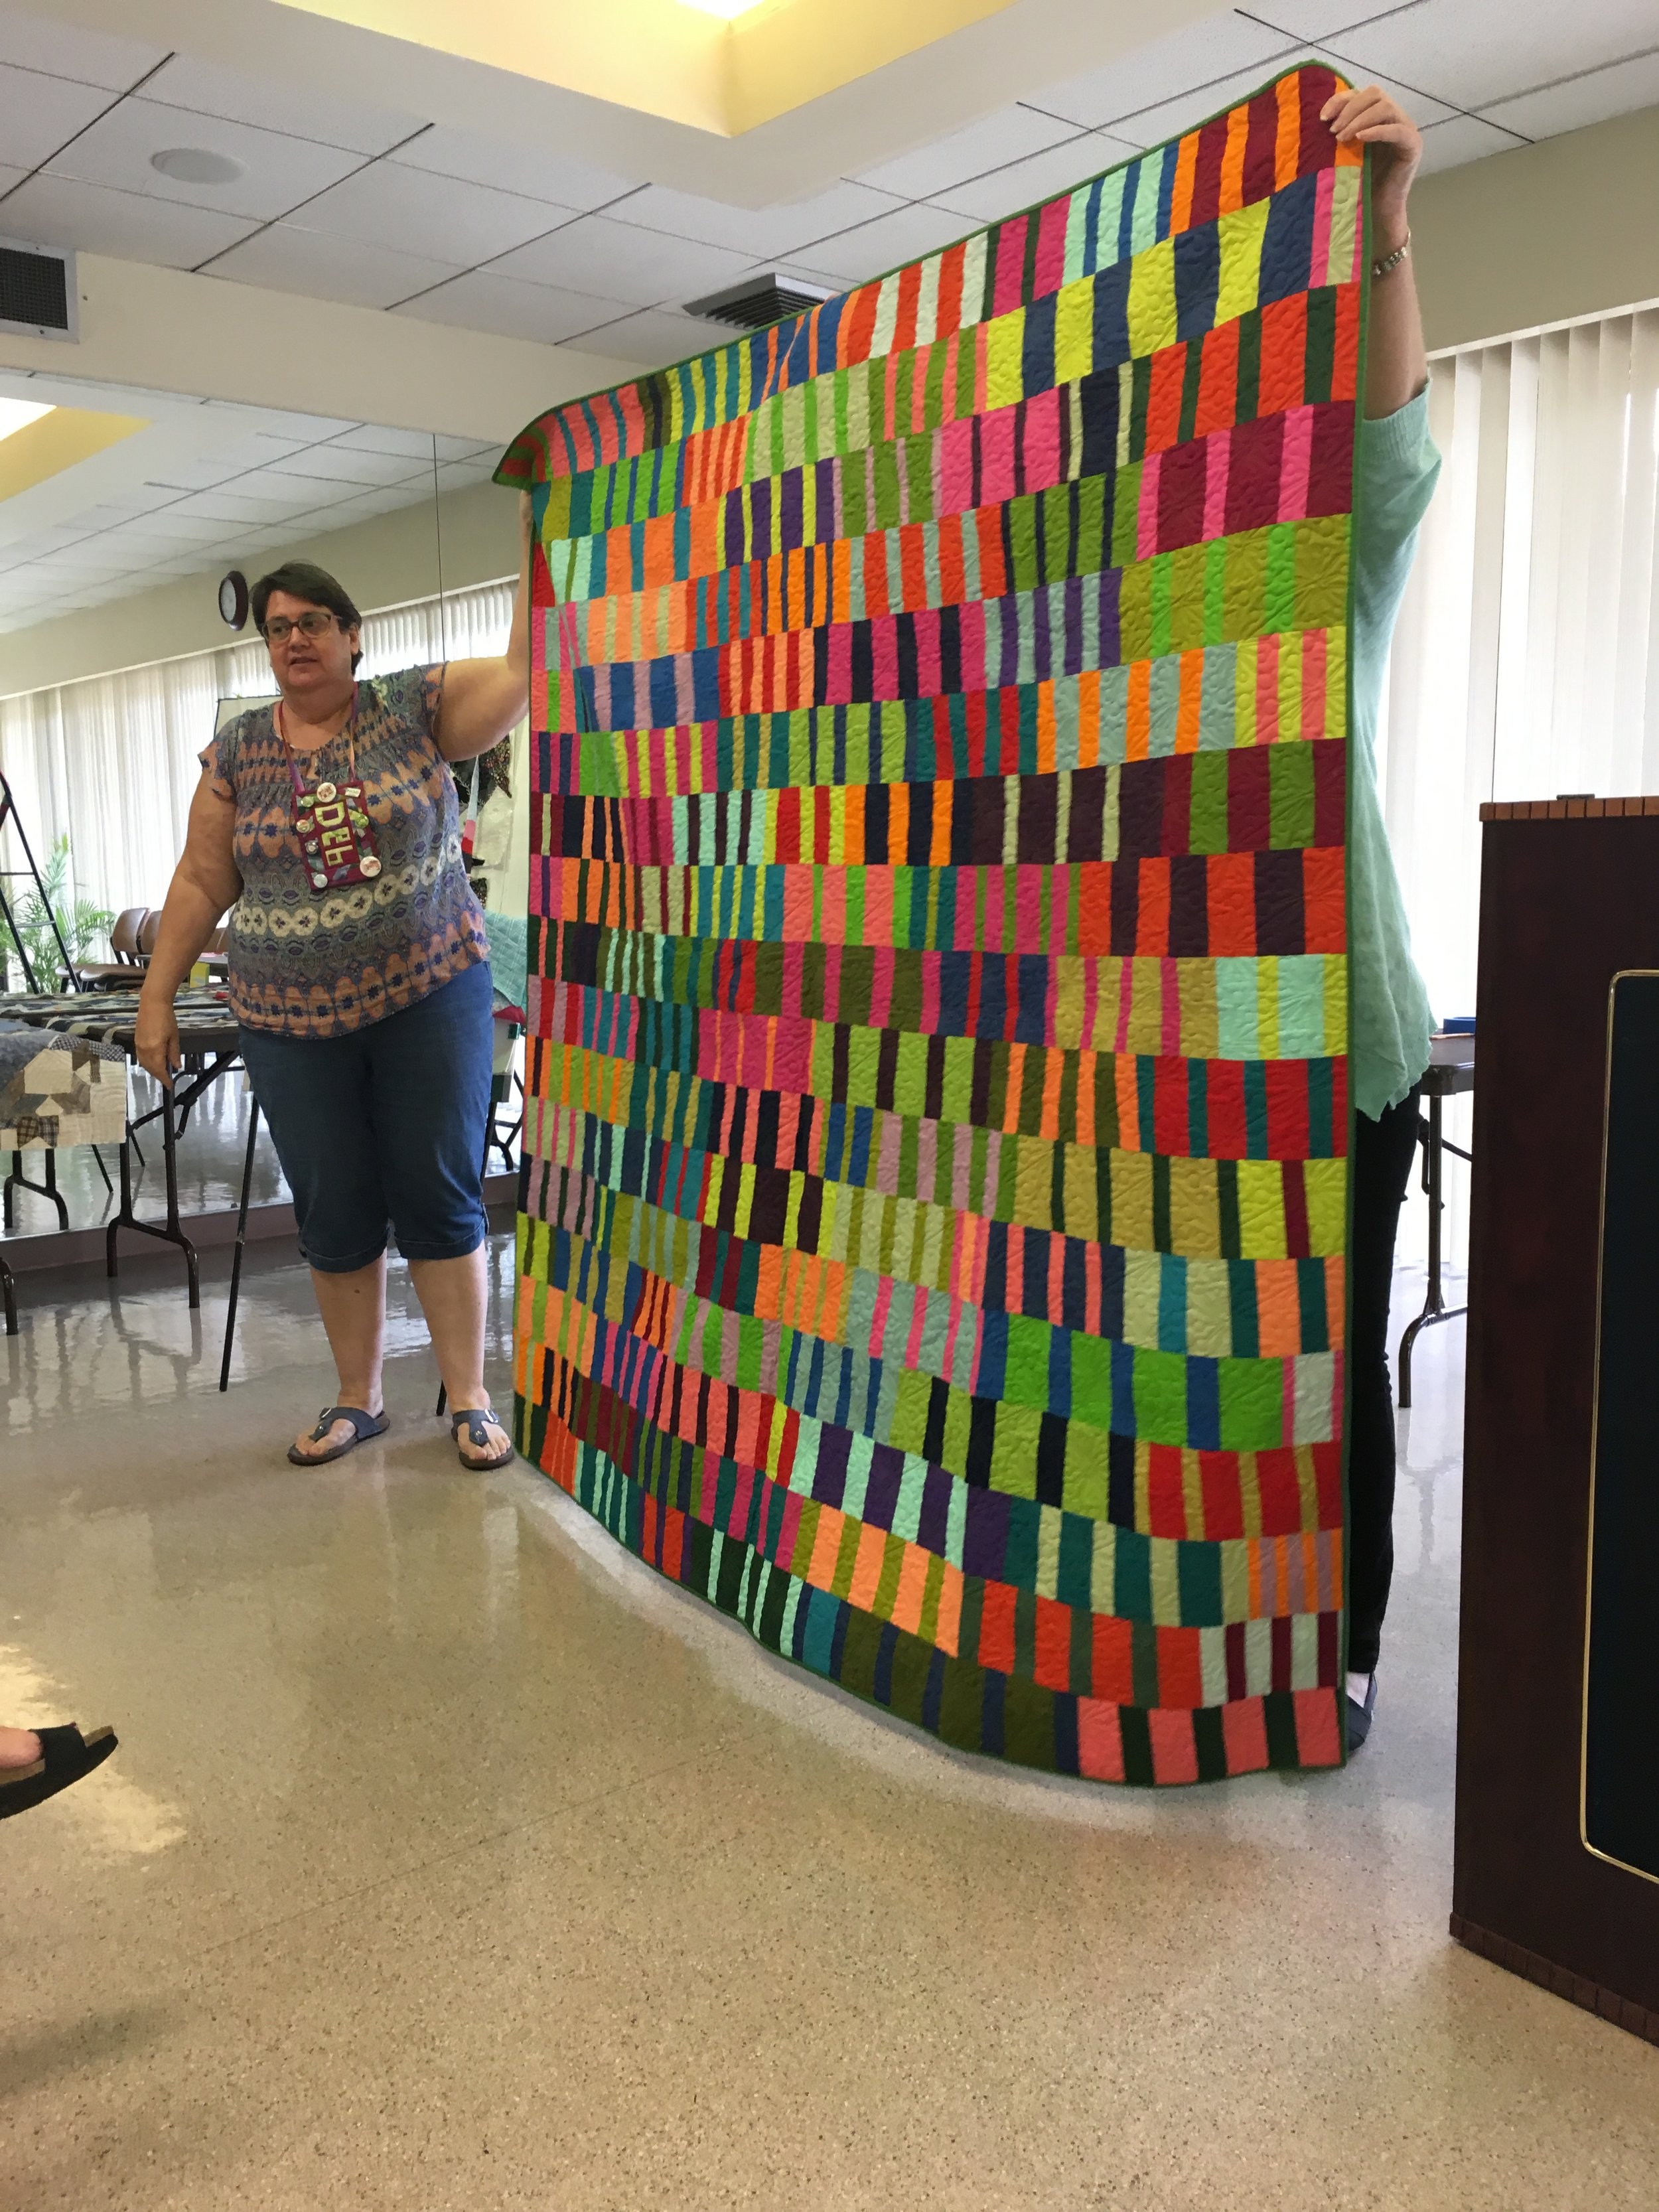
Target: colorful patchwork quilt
934 1203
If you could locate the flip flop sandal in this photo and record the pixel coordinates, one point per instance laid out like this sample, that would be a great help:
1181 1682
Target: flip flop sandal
66 1756
478 1434
364 1425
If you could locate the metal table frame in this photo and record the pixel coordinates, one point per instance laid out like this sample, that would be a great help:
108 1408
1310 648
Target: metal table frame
210 1051
168 1231
1439 1084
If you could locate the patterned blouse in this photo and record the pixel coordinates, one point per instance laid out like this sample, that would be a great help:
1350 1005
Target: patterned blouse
320 963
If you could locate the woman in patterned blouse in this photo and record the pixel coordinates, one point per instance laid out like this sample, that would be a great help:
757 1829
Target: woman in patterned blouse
359 971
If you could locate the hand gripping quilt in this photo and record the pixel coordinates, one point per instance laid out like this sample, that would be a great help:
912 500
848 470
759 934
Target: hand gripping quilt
935 1200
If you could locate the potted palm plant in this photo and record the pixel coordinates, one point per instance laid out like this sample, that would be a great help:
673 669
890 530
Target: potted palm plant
83 924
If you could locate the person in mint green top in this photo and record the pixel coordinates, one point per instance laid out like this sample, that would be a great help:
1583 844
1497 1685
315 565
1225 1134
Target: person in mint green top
1389 1021
1395 466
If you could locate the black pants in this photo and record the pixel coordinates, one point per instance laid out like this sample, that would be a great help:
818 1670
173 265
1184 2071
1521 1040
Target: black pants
1384 1151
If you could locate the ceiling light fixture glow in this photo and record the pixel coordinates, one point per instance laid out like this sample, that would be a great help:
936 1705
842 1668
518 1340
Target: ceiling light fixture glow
18 414
195 165
728 10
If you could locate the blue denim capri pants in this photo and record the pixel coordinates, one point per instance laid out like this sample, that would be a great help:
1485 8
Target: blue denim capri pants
384 1125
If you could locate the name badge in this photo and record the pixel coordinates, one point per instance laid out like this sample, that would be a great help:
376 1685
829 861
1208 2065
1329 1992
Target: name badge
335 835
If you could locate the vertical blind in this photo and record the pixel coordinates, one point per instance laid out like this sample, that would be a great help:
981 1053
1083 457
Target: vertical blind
1526 658
112 762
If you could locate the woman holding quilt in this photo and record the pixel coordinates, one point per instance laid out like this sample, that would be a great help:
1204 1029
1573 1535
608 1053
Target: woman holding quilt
1395 466
360 974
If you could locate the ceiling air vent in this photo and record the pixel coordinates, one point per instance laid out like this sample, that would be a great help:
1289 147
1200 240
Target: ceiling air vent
37 290
759 301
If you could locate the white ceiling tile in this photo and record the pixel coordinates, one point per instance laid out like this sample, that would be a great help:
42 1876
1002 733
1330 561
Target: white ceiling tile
616 260
1306 20
287 258
44 541
127 506
8 179
378 438
1184 61
1472 52
540 173
990 144
258 449
274 491
281 422
392 206
198 475
38 113
131 538
875 247
1591 98
460 476
755 231
277 171
1423 108
1151 126
206 88
228 504
191 529
62 211
64 50
654 338
320 466
1040 177
795 269
1463 138
509 307
94 561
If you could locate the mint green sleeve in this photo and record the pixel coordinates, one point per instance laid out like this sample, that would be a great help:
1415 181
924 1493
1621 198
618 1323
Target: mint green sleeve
1395 468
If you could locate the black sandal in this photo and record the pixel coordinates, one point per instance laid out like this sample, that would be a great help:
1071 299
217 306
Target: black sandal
477 1433
66 1756
365 1426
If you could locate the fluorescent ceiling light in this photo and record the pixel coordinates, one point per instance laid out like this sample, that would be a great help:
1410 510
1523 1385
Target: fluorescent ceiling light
18 414
728 9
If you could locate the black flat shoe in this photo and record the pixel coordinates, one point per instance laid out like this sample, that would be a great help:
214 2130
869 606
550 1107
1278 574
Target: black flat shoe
66 1756
1359 1716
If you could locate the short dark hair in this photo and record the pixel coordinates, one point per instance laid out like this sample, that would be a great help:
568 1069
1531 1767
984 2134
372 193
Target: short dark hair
304 580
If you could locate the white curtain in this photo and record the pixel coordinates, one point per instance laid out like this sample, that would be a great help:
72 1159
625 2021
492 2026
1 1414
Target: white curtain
1527 659
112 762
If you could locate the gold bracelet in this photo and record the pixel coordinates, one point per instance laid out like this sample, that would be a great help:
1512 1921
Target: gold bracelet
1390 262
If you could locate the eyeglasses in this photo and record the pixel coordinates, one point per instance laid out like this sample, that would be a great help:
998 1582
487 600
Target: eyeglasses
311 624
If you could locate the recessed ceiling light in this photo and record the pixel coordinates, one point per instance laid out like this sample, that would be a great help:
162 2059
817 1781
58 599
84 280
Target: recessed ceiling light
195 165
18 414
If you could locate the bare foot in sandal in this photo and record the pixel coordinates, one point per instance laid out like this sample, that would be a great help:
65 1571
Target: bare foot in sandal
337 1429
18 1747
480 1436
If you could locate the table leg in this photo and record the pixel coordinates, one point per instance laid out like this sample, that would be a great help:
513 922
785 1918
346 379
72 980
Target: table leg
123 1214
169 1232
9 1295
175 1234
241 1240
1435 1308
47 1189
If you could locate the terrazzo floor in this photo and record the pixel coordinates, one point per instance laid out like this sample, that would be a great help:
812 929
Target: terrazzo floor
451 1860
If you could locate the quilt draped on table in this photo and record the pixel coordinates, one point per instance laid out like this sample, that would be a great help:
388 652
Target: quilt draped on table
935 1200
